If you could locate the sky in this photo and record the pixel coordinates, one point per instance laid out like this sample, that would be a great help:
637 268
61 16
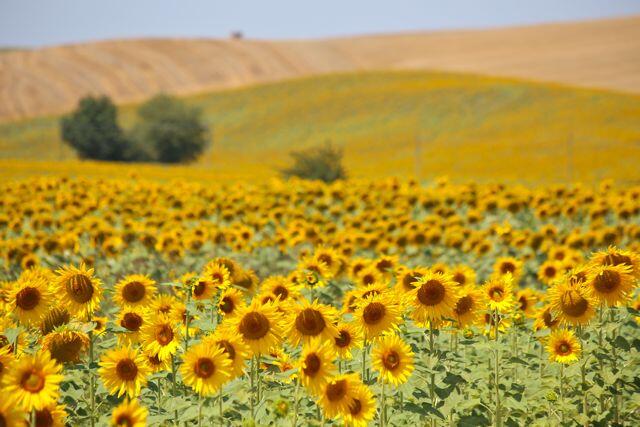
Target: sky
34 23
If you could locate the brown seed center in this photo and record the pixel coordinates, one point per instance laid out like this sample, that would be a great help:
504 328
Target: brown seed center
343 339
227 305
373 313
228 349
391 360
32 381
133 292
573 304
164 334
607 282
204 367
131 321
336 390
310 322
431 293
80 288
127 369
464 305
28 298
312 365
355 407
254 325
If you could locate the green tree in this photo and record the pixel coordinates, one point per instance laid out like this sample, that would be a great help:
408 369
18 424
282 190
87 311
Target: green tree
169 131
317 163
92 130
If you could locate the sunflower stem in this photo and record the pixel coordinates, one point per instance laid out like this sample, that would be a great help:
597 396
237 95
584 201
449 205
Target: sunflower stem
174 386
220 406
253 390
295 403
159 396
32 418
92 391
561 392
364 359
186 315
498 415
382 407
200 410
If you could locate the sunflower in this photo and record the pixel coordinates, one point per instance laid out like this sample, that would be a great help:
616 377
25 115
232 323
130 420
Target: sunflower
370 276
350 301
161 337
503 319
134 290
407 278
231 302
33 381
545 319
6 359
393 359
162 304
215 276
337 394
469 307
362 408
132 320
232 345
434 297
10 416
316 365
526 300
463 275
572 304
563 346
311 320
330 258
54 318
77 290
66 346
51 416
611 284
349 337
499 293
30 299
386 265
614 257
505 265
550 270
259 327
129 414
205 368
155 364
124 370
377 314
283 288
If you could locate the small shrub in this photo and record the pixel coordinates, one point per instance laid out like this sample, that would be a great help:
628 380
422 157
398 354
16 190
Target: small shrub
322 163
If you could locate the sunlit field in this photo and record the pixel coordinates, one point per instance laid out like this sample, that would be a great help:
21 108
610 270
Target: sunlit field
404 124
128 298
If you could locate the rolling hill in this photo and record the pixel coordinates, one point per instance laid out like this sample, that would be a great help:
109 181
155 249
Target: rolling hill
465 126
604 54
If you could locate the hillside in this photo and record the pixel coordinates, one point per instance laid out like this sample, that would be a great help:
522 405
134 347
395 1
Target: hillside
604 54
468 127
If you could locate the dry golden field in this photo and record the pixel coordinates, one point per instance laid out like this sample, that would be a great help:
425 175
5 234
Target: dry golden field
602 54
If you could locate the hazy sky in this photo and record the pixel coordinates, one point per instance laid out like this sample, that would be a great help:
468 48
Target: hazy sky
46 22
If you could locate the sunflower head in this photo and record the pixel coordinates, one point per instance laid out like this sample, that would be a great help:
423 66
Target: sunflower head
312 320
205 368
259 326
134 290
348 338
33 381
129 414
377 314
393 359
78 290
499 293
572 304
563 346
611 284
66 346
316 365
434 297
124 370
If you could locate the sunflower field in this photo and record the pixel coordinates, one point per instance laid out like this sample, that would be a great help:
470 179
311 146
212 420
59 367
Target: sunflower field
132 302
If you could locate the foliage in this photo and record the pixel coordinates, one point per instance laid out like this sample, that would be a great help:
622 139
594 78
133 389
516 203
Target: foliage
92 130
169 131
322 163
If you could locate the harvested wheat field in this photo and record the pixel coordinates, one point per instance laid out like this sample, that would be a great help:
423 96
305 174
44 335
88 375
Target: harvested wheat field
603 54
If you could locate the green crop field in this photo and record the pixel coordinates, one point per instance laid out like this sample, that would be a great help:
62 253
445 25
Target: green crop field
464 126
